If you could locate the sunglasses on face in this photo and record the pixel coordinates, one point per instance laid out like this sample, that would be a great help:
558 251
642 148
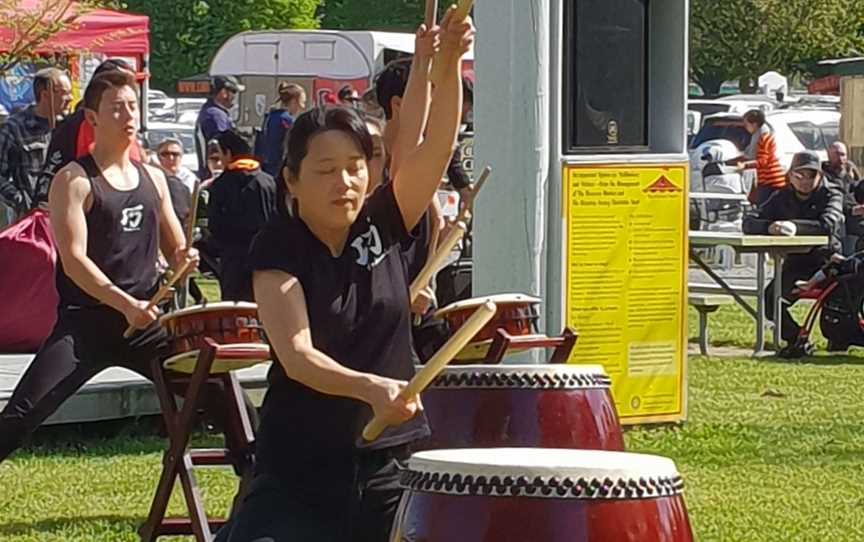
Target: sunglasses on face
169 154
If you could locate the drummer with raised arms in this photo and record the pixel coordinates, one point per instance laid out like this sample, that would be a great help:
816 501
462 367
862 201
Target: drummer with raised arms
332 292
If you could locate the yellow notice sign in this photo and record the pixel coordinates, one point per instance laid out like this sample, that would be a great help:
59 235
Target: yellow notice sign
627 283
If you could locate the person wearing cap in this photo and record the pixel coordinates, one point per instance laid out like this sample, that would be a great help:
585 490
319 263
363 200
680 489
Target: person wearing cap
277 123
215 117
73 138
806 206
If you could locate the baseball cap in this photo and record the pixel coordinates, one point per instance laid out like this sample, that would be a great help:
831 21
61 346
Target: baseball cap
228 82
806 160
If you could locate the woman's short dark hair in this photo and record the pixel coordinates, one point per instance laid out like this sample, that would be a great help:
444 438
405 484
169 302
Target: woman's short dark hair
755 116
323 119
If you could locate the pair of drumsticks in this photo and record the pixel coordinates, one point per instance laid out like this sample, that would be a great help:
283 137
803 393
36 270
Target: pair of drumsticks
167 288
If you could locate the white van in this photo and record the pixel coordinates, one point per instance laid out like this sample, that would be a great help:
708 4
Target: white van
322 61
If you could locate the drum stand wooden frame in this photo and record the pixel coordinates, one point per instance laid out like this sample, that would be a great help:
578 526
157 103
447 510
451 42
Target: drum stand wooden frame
179 460
503 341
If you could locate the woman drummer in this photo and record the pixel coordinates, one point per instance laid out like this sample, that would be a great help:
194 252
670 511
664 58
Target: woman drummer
332 291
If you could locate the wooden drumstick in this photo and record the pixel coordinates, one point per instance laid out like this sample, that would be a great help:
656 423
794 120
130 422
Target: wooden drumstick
469 199
438 362
193 217
437 260
163 292
431 13
444 57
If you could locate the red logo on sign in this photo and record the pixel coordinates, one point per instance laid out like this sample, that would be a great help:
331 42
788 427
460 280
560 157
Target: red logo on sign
663 184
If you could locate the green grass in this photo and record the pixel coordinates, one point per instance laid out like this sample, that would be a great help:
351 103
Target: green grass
731 326
75 487
772 451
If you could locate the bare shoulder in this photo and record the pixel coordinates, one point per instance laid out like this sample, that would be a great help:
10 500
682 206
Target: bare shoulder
158 177
70 182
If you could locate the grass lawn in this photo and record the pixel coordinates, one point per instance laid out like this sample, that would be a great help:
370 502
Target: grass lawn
772 451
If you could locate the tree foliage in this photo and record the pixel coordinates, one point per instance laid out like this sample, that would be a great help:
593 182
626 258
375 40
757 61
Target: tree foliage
185 34
29 29
742 39
390 15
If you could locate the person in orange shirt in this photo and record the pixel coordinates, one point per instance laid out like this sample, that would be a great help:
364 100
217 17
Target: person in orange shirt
761 155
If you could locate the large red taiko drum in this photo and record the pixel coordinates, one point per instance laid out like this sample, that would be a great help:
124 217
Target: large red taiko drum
546 406
540 495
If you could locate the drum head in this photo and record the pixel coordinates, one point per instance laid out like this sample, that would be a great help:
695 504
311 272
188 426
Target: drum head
543 473
499 300
210 307
185 362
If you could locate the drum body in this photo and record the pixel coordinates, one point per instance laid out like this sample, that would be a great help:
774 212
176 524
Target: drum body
532 495
517 314
226 323
547 406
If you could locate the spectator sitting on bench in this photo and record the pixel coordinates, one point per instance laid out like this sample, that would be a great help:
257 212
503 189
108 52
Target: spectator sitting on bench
806 206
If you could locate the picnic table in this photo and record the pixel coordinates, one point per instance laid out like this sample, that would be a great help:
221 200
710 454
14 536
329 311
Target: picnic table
775 247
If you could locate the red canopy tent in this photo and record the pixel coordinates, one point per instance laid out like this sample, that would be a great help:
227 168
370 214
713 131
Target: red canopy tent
112 33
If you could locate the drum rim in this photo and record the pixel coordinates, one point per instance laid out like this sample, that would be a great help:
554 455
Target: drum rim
218 305
498 299
263 347
511 376
482 472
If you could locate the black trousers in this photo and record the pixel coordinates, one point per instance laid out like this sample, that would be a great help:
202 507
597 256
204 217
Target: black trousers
278 509
796 267
85 342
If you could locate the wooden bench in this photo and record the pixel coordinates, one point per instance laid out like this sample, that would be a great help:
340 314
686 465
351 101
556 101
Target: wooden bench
705 304
713 288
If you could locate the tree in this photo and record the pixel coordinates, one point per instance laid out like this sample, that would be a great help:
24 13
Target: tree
184 35
392 15
28 30
742 39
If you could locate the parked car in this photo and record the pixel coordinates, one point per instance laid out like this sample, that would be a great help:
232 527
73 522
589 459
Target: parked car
710 107
160 131
812 101
794 130
741 103
700 109
177 111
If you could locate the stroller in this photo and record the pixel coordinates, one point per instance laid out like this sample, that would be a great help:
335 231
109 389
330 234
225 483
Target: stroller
838 289
717 178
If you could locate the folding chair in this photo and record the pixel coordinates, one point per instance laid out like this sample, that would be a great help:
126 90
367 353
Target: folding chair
179 460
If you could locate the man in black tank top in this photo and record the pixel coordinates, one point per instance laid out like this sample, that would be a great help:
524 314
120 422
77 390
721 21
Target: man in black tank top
110 217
